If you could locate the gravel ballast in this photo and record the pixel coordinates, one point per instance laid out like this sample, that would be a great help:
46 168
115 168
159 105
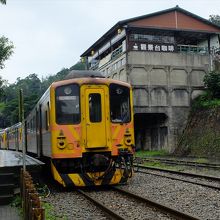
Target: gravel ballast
186 197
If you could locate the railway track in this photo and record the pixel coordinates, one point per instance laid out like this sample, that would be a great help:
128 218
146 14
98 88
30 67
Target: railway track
191 175
180 162
111 210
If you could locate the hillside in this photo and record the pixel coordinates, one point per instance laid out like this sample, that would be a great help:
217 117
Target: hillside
201 137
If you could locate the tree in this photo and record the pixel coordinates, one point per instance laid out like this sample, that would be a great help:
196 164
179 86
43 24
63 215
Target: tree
2 82
212 82
215 19
6 50
3 2
78 66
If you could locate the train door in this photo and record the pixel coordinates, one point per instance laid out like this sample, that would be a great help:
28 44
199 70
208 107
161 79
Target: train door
95 119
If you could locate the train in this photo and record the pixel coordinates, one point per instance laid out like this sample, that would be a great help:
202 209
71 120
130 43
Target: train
84 126
12 137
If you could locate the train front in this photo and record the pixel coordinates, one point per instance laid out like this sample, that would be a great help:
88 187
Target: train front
92 132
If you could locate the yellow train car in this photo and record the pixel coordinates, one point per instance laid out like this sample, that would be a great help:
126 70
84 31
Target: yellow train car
14 137
85 126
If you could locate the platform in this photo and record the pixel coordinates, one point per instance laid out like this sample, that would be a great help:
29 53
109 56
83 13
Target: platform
9 213
11 163
10 158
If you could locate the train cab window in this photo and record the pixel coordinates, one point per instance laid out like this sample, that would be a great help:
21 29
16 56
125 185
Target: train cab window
119 103
67 104
95 113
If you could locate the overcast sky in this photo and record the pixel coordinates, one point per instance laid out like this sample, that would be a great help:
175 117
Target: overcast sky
52 34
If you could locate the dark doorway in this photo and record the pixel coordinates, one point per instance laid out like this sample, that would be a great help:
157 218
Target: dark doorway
150 131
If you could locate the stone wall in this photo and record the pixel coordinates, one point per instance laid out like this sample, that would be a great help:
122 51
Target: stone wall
164 83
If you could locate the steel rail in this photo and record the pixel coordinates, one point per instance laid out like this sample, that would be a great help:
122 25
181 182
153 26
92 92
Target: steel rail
213 178
183 162
101 206
161 207
179 179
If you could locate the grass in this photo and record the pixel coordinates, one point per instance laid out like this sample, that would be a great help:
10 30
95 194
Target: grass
49 212
201 160
163 166
17 203
143 153
49 209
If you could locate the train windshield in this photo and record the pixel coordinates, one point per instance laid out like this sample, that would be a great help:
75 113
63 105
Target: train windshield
119 103
67 104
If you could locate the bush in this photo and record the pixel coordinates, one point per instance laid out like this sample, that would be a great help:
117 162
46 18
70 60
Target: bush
205 101
212 82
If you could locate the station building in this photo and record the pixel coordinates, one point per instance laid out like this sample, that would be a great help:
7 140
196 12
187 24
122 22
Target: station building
164 55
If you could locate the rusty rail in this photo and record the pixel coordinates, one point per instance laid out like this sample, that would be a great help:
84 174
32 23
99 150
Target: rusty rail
31 202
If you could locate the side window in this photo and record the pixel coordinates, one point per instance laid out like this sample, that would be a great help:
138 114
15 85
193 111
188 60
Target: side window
28 126
48 114
34 123
47 117
46 121
31 125
95 113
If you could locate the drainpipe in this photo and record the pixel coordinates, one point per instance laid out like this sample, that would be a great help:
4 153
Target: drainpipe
210 54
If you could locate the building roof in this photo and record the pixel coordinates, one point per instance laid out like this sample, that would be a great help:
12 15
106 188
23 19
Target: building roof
174 18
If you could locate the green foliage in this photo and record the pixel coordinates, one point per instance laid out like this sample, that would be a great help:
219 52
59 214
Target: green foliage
215 19
10 113
163 165
78 66
201 160
2 93
17 203
205 101
212 82
3 2
31 86
46 82
206 145
6 50
151 153
49 212
210 98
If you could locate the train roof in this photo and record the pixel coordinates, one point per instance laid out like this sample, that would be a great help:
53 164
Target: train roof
87 77
83 73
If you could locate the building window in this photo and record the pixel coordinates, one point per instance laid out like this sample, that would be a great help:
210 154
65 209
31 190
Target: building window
152 38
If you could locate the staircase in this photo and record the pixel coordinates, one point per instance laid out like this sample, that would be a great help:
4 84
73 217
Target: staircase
6 188
9 182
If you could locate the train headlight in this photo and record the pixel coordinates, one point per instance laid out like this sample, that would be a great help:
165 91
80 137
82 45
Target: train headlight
127 140
61 142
